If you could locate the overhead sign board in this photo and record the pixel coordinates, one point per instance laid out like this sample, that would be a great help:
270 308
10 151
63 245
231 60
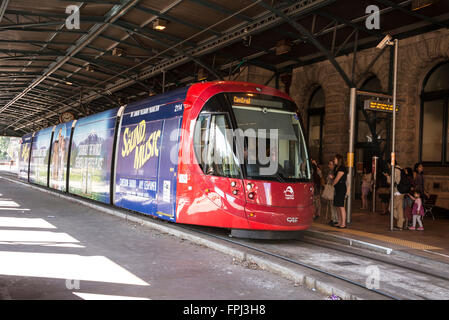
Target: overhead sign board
382 106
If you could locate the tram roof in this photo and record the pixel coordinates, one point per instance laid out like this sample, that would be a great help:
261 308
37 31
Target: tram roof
117 57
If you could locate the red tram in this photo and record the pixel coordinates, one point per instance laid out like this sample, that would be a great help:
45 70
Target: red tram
221 154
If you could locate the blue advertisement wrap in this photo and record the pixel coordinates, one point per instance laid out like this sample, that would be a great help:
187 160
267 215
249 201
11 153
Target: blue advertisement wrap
91 155
147 157
24 156
168 169
40 154
59 156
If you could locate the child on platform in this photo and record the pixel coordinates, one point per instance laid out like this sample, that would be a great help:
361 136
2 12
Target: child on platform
417 211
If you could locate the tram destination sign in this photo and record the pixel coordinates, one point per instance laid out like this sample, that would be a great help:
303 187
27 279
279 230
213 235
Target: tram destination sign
382 106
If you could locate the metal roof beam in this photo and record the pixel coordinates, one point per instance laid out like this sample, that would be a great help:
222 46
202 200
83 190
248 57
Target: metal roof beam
62 16
47 30
12 73
221 9
117 2
348 23
401 7
327 29
96 62
173 19
162 43
115 13
35 42
155 36
24 26
260 23
21 66
3 7
304 32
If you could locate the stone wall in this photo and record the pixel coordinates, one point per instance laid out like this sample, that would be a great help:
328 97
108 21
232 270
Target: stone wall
417 56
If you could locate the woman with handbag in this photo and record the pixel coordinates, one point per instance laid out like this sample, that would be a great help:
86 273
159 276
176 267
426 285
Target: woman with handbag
328 194
340 190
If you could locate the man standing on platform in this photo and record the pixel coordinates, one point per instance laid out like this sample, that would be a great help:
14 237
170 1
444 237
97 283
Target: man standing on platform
398 209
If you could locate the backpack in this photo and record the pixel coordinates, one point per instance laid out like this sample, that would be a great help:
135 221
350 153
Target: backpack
404 185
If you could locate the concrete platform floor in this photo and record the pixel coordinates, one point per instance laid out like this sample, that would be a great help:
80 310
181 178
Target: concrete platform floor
432 242
51 248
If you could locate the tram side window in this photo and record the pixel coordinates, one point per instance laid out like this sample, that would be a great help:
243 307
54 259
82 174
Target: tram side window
213 150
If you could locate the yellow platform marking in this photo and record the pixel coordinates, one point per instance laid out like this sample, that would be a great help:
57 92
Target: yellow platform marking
404 243
165 214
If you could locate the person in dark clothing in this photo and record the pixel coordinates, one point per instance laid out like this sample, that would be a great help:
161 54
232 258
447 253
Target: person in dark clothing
340 190
419 180
408 201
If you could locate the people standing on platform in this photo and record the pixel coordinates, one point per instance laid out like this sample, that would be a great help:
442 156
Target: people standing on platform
329 193
367 182
417 211
419 179
340 190
318 181
398 205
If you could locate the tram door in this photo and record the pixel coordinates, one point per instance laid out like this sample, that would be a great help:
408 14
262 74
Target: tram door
218 160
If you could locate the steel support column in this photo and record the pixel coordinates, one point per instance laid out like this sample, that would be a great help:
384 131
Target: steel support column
393 140
3 7
352 116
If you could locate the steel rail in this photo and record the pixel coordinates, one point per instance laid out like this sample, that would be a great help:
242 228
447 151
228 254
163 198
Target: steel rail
372 257
305 265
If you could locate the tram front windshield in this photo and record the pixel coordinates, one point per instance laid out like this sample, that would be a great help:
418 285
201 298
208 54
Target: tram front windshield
274 144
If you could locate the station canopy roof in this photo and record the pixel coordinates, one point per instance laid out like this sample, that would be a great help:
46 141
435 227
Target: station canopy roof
48 66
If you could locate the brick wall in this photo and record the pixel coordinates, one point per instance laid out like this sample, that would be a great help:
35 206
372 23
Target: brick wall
417 56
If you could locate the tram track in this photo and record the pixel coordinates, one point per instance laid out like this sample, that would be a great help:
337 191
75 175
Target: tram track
386 262
220 234
295 262
371 256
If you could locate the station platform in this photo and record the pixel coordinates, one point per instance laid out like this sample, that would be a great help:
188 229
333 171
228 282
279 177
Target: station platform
52 248
56 246
373 228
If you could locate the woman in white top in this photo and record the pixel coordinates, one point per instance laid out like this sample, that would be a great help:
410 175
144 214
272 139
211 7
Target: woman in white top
367 181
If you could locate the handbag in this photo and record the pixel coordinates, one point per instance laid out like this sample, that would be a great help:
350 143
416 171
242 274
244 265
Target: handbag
328 192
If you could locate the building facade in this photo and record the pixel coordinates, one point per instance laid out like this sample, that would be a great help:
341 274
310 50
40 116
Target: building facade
422 128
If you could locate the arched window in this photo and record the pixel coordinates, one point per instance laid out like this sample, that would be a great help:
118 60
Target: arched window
434 133
315 124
